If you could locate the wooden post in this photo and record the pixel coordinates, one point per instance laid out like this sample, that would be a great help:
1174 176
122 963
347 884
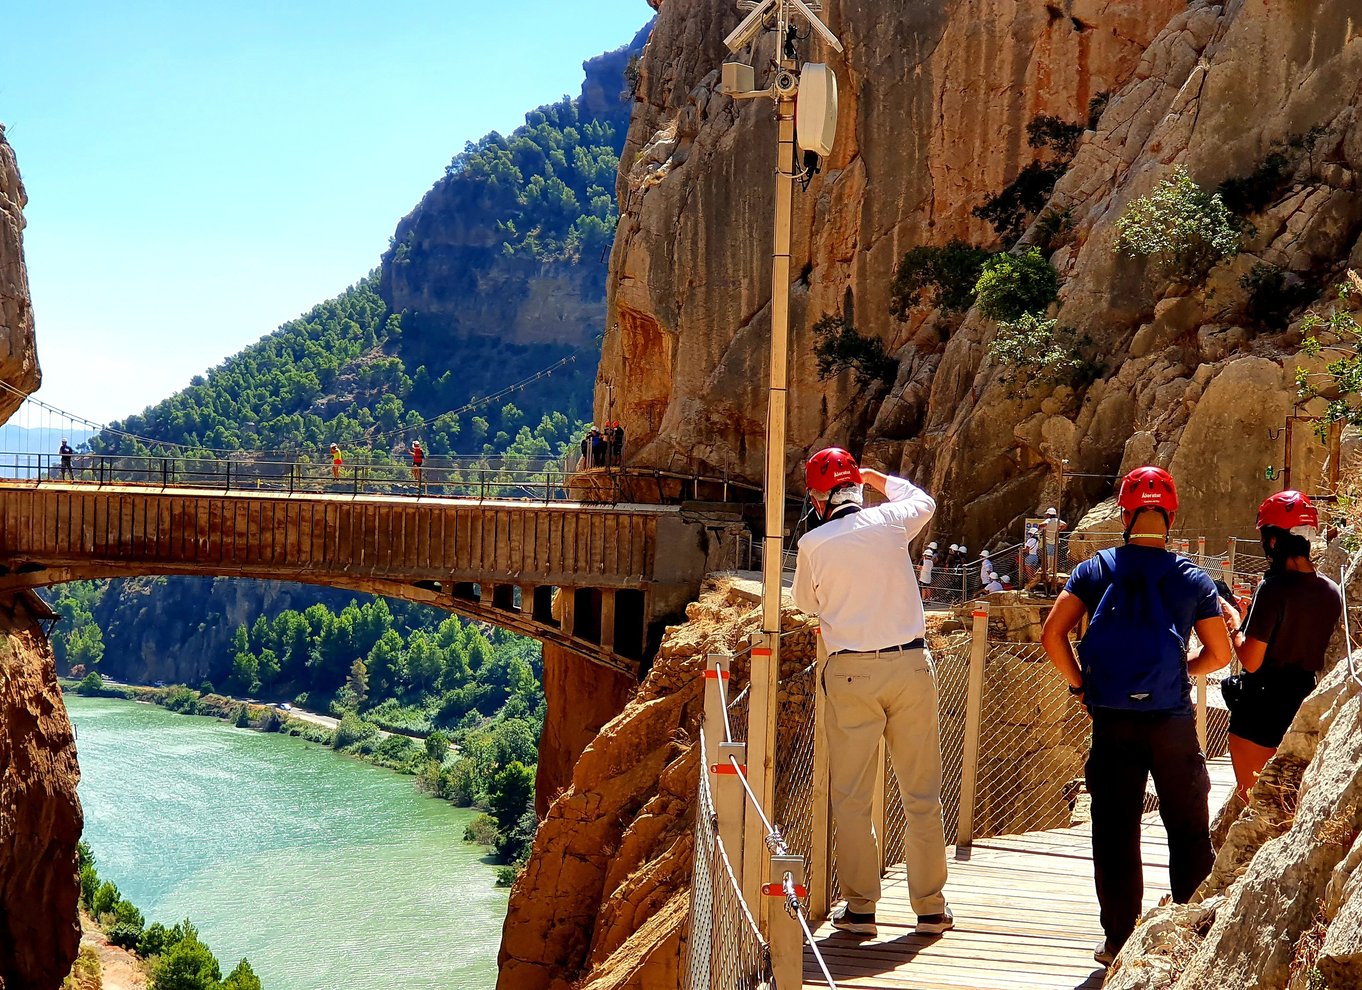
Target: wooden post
820 851
1201 549
761 736
1227 566
786 937
974 707
730 806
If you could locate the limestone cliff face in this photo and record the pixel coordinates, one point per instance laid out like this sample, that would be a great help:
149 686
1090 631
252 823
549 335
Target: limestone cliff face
936 98
40 816
18 356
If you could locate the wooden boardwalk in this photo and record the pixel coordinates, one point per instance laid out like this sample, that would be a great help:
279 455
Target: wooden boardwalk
1025 914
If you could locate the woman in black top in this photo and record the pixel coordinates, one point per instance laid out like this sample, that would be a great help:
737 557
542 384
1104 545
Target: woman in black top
1283 642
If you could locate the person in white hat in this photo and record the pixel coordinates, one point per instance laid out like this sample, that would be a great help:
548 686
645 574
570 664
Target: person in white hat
1053 527
994 585
1007 582
924 574
985 567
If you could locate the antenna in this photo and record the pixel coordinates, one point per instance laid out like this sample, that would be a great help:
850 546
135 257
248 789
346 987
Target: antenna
816 23
751 26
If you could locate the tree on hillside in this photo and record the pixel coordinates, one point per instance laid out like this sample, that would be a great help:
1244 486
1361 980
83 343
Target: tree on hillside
186 965
242 978
359 681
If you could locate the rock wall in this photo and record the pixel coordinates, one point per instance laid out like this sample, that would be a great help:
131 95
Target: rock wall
18 355
935 99
935 102
40 816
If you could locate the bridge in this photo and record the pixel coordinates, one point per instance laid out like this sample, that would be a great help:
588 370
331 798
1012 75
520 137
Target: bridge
598 579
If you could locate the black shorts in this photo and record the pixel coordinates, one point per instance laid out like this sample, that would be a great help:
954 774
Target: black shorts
1267 702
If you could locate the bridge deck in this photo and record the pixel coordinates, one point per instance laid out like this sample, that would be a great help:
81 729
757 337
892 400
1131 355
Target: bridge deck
1026 916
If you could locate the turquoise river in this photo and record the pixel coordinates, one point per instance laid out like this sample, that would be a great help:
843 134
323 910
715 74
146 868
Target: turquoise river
325 872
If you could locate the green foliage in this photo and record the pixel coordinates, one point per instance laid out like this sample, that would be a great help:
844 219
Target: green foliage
89 876
86 972
242 978
482 830
437 746
510 792
186 965
1037 351
839 347
1181 228
1012 208
124 935
506 875
91 685
1340 383
182 699
1010 286
936 276
353 730
1248 194
154 940
1052 227
105 900
1274 295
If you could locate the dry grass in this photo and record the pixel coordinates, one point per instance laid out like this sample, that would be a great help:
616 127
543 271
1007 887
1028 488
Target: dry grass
86 972
1304 971
1340 829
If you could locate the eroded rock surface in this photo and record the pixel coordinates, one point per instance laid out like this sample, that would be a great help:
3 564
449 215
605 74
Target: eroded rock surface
40 816
18 357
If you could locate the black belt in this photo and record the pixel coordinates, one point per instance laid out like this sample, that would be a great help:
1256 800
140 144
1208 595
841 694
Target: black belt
916 644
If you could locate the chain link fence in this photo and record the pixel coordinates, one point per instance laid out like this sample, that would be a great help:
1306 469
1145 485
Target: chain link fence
724 948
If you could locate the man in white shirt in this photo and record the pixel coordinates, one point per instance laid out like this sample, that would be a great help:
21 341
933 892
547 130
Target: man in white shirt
994 585
855 573
985 567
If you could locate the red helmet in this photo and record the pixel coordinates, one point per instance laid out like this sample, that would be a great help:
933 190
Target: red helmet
830 468
1291 511
1148 488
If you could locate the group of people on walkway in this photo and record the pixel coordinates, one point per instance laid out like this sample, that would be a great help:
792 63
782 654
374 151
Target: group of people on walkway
603 446
1131 672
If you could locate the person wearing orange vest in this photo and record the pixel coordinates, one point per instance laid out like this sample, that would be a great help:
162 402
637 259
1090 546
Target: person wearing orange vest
418 457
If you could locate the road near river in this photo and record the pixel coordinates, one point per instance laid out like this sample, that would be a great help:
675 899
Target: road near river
324 872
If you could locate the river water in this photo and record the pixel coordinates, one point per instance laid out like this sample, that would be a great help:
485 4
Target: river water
325 872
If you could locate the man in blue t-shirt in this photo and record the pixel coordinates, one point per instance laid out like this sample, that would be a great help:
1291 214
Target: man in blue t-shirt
1134 678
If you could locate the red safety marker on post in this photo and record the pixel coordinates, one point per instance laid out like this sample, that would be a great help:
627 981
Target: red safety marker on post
712 674
778 890
728 768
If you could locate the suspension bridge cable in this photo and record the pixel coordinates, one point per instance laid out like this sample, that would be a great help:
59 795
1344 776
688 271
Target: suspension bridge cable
475 403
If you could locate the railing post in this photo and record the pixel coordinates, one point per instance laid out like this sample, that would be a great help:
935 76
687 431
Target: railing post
820 845
786 938
1201 710
974 707
730 804
1201 548
877 805
165 472
1227 566
229 474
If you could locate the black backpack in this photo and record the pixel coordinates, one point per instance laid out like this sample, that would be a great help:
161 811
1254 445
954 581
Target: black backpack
1132 657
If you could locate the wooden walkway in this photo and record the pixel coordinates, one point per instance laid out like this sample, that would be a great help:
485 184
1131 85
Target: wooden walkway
1025 914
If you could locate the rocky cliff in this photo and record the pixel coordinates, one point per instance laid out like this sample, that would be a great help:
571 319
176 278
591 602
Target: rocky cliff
40 817
936 102
18 356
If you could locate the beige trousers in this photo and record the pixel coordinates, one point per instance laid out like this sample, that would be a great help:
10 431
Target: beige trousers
888 694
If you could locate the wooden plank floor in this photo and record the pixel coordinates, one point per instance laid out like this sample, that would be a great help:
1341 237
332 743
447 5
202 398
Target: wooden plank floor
1025 915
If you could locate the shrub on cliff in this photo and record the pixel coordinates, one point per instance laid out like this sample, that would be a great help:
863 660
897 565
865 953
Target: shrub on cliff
92 684
936 276
124 935
182 699
1011 286
186 965
1038 351
242 978
839 347
1012 208
1340 382
1183 230
1273 295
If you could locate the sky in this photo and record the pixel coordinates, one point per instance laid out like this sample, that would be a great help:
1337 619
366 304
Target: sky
199 173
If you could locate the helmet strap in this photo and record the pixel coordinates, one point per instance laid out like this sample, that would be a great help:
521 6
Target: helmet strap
1134 517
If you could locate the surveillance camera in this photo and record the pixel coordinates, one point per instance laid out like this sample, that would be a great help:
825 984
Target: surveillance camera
786 82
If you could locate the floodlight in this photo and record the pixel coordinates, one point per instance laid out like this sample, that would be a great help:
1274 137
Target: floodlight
752 25
817 25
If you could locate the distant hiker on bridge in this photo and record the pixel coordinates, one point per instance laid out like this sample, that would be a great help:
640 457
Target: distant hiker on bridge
608 442
1282 644
618 447
855 573
418 457
335 462
66 452
1134 676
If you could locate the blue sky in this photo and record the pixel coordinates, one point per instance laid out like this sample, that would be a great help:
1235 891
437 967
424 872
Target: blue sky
199 173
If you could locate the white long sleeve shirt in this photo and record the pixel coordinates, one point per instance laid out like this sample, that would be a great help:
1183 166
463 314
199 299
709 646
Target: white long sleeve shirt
855 573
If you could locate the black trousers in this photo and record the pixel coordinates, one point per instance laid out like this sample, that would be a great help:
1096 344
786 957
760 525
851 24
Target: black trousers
1126 748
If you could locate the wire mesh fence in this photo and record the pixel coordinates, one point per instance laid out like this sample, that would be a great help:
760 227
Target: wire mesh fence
724 948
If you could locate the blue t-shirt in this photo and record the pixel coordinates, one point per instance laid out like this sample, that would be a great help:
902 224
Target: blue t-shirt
1187 592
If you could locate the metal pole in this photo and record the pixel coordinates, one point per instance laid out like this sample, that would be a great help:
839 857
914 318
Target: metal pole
1286 457
766 661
